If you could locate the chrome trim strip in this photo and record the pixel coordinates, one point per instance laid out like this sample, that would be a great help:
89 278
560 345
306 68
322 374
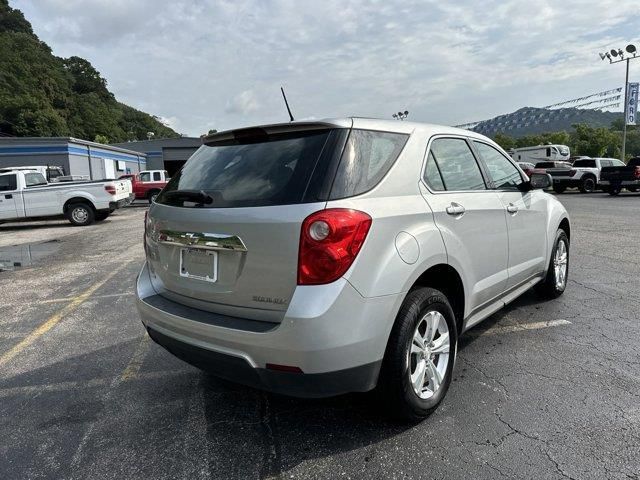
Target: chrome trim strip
204 241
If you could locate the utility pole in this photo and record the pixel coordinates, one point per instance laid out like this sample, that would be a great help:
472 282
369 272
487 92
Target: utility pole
619 55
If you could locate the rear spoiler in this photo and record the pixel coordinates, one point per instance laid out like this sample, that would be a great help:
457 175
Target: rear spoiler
261 133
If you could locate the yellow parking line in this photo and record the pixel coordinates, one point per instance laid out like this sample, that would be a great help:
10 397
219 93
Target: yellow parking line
131 372
55 319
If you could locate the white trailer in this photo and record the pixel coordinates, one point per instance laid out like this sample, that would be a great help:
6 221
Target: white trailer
541 153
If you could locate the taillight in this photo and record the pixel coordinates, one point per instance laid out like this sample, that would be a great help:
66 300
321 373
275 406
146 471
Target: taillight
572 172
329 243
636 173
110 189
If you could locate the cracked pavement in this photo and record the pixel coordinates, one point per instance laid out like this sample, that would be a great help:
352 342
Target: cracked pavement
93 398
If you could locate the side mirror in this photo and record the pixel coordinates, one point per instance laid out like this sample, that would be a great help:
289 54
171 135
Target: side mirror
540 180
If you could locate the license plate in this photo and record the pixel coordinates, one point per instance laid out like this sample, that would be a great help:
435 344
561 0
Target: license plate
199 264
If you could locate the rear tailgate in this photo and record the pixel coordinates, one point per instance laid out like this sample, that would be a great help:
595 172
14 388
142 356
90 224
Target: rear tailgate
618 173
235 261
224 235
558 174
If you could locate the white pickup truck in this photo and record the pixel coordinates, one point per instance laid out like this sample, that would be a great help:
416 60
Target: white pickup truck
584 174
28 195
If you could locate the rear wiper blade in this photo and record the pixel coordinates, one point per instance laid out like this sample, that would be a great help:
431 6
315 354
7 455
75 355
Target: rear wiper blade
196 196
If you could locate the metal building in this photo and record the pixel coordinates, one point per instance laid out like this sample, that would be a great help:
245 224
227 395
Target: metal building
165 153
76 157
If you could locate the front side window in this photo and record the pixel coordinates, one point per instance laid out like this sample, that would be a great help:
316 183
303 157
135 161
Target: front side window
8 183
617 163
456 164
504 174
157 177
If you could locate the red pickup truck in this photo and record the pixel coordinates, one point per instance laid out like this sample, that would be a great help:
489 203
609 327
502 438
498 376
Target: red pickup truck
148 183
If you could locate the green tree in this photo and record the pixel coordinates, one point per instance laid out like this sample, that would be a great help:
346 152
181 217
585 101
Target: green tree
595 142
504 140
43 95
101 139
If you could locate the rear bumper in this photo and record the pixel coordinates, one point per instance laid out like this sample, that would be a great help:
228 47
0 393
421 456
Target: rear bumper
336 338
123 202
620 183
566 182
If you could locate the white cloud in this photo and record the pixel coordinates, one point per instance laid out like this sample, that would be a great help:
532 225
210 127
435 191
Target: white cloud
243 103
205 63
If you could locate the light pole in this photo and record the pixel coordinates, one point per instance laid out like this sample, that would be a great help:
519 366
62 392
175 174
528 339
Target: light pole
401 115
619 56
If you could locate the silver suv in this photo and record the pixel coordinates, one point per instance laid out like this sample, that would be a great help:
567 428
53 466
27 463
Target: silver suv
318 258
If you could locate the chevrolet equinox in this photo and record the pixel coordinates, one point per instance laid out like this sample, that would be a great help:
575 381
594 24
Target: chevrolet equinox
325 257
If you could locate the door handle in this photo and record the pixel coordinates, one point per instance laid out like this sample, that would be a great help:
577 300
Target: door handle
511 208
8 196
455 209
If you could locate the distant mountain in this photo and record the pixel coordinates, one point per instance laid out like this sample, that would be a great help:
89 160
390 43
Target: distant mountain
44 95
531 120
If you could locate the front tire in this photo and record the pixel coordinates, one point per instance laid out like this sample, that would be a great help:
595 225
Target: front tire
555 282
80 214
588 185
420 355
613 191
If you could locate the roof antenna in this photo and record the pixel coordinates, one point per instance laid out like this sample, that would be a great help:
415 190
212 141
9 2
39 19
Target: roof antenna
286 103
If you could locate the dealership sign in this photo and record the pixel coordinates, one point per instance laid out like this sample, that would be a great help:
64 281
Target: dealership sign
631 107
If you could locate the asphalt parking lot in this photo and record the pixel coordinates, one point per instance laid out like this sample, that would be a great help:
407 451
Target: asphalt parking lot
541 390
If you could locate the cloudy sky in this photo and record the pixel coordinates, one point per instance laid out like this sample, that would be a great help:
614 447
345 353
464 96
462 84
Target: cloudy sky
202 64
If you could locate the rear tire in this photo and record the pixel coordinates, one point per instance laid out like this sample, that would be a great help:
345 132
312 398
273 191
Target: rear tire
418 364
559 188
152 196
588 185
80 214
632 189
555 282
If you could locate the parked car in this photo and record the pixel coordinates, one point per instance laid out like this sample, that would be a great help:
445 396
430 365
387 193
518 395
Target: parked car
527 167
616 177
318 258
26 195
584 174
148 183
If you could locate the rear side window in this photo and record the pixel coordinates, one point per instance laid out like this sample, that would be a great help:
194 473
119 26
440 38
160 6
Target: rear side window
545 165
456 164
588 163
145 177
33 179
503 173
432 174
8 183
606 163
367 157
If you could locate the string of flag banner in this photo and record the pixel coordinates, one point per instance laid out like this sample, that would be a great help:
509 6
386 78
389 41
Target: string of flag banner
597 101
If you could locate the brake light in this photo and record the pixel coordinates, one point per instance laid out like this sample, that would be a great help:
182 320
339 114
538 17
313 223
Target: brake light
329 243
110 189
636 173
572 172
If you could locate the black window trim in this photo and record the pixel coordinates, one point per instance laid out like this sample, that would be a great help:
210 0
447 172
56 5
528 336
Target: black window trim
481 167
510 160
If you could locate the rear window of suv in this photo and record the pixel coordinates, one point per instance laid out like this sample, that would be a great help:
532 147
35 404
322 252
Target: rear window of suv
262 169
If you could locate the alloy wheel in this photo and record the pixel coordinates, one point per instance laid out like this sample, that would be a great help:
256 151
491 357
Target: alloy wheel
428 356
560 259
